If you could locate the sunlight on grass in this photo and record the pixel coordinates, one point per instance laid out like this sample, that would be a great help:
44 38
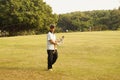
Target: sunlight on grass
82 56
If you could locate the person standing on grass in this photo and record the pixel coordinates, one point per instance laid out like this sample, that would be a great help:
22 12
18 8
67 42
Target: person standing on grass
51 47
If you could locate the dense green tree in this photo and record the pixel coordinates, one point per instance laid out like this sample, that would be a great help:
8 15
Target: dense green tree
96 20
114 21
25 15
34 16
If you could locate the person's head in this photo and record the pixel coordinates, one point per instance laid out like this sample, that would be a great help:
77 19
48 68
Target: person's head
52 28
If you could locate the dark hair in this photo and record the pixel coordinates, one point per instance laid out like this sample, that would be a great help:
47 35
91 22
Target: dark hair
52 26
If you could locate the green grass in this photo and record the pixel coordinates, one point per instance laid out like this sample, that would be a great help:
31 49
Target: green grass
82 56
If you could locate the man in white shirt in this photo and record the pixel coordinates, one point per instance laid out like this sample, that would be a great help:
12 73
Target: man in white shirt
51 49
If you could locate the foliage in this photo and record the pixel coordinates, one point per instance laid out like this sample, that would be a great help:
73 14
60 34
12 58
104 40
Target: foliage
22 17
25 15
96 20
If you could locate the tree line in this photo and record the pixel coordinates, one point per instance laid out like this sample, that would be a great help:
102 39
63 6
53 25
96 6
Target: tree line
22 17
96 20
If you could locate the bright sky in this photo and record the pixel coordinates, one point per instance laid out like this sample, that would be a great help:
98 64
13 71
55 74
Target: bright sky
66 6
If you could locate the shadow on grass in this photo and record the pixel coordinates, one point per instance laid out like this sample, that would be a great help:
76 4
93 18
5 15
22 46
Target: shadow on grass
24 68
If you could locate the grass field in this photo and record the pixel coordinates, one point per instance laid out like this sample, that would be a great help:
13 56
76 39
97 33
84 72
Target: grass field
82 56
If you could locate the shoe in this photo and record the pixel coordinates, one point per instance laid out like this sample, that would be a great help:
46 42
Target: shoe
52 66
50 69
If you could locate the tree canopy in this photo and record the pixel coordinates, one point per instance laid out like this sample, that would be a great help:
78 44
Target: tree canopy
25 15
19 17
96 20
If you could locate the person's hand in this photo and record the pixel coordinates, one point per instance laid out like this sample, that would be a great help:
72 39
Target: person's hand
62 36
55 43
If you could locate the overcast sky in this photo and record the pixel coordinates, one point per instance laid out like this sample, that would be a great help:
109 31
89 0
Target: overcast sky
66 6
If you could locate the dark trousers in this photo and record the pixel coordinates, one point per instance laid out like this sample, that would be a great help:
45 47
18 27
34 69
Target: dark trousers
52 57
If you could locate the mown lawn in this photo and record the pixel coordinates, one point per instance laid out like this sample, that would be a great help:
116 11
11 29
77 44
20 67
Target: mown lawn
82 56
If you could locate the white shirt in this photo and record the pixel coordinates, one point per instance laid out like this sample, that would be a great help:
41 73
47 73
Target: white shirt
50 36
